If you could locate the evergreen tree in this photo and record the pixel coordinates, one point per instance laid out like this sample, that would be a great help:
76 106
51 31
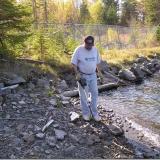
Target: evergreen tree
129 11
96 12
109 12
152 11
12 22
84 12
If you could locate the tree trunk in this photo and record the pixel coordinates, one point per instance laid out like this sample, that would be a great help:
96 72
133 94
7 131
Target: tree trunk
34 8
45 14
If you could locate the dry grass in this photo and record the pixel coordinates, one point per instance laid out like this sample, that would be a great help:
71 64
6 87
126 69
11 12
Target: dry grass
127 55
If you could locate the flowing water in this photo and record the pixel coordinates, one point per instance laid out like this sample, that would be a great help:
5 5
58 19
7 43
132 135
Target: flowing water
139 104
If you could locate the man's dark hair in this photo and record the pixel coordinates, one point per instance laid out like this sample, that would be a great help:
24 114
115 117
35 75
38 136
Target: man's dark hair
89 40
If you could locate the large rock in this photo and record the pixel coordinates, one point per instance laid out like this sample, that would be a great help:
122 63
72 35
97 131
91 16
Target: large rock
156 64
104 66
43 83
115 130
12 79
153 65
142 59
137 72
126 75
115 69
63 85
146 70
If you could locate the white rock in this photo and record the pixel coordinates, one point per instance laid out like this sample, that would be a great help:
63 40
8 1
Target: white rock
74 116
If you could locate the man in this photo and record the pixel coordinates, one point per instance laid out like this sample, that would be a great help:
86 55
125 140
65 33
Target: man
85 61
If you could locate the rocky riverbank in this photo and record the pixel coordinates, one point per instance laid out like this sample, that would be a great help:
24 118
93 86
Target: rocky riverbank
26 133
38 121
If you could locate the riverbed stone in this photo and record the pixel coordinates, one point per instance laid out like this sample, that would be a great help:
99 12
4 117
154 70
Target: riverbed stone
51 141
115 130
63 85
137 72
141 59
126 75
69 151
146 70
74 116
60 134
28 138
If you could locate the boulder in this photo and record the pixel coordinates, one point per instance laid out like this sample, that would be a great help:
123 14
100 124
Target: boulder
126 75
43 83
104 66
115 130
146 70
12 79
156 64
63 85
141 59
137 72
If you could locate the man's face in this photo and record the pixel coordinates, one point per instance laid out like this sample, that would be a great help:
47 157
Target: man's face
88 46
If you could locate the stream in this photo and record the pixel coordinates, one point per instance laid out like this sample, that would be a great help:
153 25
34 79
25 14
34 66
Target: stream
139 105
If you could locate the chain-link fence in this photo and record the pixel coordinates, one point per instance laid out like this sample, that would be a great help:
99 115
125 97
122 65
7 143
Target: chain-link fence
107 36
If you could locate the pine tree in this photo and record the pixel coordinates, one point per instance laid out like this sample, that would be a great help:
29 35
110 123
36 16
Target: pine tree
109 12
152 11
12 21
84 12
129 12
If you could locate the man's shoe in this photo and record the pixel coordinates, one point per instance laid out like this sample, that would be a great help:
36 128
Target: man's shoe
86 117
97 118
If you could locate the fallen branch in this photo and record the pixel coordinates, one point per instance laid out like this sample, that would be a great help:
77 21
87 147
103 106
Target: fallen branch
101 88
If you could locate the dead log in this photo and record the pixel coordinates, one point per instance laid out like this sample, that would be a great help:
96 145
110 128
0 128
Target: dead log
101 88
106 87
